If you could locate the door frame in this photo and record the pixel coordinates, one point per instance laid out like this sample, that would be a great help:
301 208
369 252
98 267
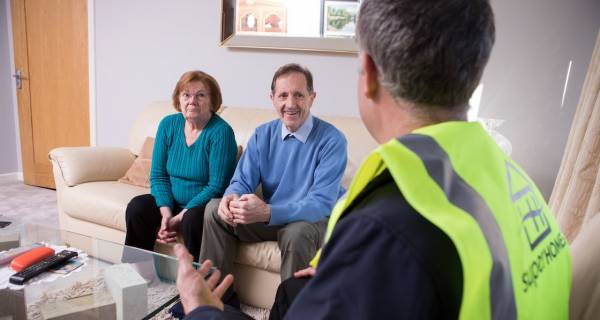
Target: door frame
92 69
91 80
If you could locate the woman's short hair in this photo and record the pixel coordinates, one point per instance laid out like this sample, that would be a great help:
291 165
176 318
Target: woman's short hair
209 82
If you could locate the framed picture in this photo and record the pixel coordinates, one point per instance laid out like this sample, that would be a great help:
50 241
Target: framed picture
274 20
260 16
340 18
248 22
281 24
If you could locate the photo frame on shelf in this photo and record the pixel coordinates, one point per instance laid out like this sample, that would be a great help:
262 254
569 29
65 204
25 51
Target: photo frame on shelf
248 22
257 17
339 18
275 21
283 25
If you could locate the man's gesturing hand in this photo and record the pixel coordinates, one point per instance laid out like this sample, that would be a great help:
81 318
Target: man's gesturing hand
250 209
224 212
308 272
194 291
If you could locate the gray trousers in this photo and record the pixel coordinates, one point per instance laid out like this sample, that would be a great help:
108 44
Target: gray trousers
298 241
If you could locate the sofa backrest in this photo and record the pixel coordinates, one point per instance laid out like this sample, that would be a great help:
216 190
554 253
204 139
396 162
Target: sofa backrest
245 120
360 143
146 124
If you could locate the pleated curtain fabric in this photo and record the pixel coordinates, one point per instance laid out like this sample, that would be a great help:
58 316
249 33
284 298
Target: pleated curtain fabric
576 196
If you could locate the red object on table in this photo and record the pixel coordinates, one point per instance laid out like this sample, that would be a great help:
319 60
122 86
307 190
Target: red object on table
30 258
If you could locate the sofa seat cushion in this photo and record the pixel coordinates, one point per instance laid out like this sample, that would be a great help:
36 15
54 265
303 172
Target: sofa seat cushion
263 255
103 203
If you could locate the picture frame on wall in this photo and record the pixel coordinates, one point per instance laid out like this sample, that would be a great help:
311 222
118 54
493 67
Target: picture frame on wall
261 16
339 18
279 25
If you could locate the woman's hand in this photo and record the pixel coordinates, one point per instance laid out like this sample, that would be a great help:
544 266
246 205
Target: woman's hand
174 222
193 289
165 233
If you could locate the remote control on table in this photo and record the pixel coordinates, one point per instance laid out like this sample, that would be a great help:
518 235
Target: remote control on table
32 271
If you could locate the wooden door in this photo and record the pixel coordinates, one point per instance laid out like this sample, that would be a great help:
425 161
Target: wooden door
51 52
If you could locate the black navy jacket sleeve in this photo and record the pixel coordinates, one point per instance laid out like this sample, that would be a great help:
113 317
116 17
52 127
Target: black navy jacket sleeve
366 272
205 313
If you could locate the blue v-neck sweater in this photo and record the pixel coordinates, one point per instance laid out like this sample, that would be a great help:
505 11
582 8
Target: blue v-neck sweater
300 181
189 176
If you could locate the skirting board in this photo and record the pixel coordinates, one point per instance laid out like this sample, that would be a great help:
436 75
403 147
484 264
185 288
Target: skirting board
11 177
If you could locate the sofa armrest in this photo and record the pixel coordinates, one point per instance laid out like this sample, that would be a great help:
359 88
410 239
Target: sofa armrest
86 164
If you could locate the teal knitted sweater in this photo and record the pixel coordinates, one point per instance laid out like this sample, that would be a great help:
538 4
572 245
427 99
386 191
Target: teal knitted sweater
190 176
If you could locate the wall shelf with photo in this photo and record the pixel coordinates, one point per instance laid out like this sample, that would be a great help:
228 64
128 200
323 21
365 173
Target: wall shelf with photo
312 25
339 18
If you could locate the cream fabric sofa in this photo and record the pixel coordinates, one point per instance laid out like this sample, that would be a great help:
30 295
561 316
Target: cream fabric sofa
92 202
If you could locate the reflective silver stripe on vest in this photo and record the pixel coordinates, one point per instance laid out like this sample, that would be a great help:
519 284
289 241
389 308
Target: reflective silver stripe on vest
461 195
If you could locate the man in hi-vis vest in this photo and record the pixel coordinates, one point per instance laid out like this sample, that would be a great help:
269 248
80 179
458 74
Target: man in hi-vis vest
438 221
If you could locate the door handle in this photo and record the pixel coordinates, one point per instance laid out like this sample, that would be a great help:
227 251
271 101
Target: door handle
19 78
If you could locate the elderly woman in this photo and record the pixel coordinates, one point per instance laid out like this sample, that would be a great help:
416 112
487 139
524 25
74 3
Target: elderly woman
193 160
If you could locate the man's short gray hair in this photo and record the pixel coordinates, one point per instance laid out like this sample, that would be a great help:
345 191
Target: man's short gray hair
291 68
429 52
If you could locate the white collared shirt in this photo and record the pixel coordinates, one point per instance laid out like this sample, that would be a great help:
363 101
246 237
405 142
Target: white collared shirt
302 133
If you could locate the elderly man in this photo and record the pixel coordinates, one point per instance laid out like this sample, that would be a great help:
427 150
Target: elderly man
438 223
299 161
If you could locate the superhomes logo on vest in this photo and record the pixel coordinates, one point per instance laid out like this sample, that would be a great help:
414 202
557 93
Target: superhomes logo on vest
534 224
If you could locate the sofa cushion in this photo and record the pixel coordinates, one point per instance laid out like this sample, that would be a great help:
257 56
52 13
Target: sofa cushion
77 165
263 255
103 203
139 172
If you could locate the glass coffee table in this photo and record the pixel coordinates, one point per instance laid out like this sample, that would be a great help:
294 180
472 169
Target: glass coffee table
111 279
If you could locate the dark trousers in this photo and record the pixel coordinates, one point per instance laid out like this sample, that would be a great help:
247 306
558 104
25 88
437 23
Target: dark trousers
298 241
143 219
287 291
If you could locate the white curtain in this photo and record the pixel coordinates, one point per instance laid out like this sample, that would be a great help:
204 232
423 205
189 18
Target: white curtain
575 199
576 196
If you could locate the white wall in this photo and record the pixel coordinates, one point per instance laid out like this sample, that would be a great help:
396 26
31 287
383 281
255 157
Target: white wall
142 47
8 142
524 80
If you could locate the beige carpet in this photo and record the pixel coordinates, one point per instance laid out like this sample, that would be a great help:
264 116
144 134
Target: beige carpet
23 204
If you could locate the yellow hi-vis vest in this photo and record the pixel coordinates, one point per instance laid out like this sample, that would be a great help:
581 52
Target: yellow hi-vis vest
515 261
